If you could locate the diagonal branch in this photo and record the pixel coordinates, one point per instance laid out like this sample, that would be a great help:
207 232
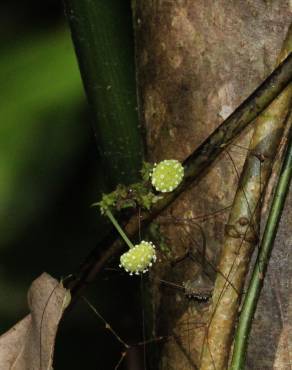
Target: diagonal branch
195 166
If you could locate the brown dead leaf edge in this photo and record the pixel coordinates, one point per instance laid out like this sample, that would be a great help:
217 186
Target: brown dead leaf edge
29 345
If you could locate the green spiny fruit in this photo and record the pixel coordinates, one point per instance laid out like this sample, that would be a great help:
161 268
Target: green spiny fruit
167 175
139 258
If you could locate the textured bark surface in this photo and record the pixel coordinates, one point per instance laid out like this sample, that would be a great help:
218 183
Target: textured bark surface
197 60
243 230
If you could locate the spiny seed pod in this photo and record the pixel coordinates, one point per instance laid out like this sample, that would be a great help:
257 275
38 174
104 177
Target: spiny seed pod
139 258
167 175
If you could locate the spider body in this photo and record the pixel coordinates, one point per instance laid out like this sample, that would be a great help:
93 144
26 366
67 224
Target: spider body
199 289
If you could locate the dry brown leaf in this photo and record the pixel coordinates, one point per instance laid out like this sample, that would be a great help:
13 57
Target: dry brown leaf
29 345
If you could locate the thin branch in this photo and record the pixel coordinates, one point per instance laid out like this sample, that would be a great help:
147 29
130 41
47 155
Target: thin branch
202 157
144 342
195 166
106 324
256 283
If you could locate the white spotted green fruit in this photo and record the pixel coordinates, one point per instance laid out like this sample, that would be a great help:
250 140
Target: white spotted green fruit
139 258
167 175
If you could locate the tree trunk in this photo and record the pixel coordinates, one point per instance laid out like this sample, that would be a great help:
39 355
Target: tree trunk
197 61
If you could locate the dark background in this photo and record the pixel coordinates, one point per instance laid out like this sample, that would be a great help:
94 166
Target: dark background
50 174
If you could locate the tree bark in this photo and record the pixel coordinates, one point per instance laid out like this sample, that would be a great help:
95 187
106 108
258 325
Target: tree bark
197 61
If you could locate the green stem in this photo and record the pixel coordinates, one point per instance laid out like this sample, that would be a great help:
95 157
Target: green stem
256 283
103 38
119 229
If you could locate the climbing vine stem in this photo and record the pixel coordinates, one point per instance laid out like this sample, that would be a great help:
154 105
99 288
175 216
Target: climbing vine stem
242 230
256 283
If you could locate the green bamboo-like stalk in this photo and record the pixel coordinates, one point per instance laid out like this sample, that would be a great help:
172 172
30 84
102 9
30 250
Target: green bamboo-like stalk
257 279
242 230
195 165
103 39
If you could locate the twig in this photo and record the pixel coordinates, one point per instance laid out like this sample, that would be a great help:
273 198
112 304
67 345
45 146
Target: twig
107 325
124 344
